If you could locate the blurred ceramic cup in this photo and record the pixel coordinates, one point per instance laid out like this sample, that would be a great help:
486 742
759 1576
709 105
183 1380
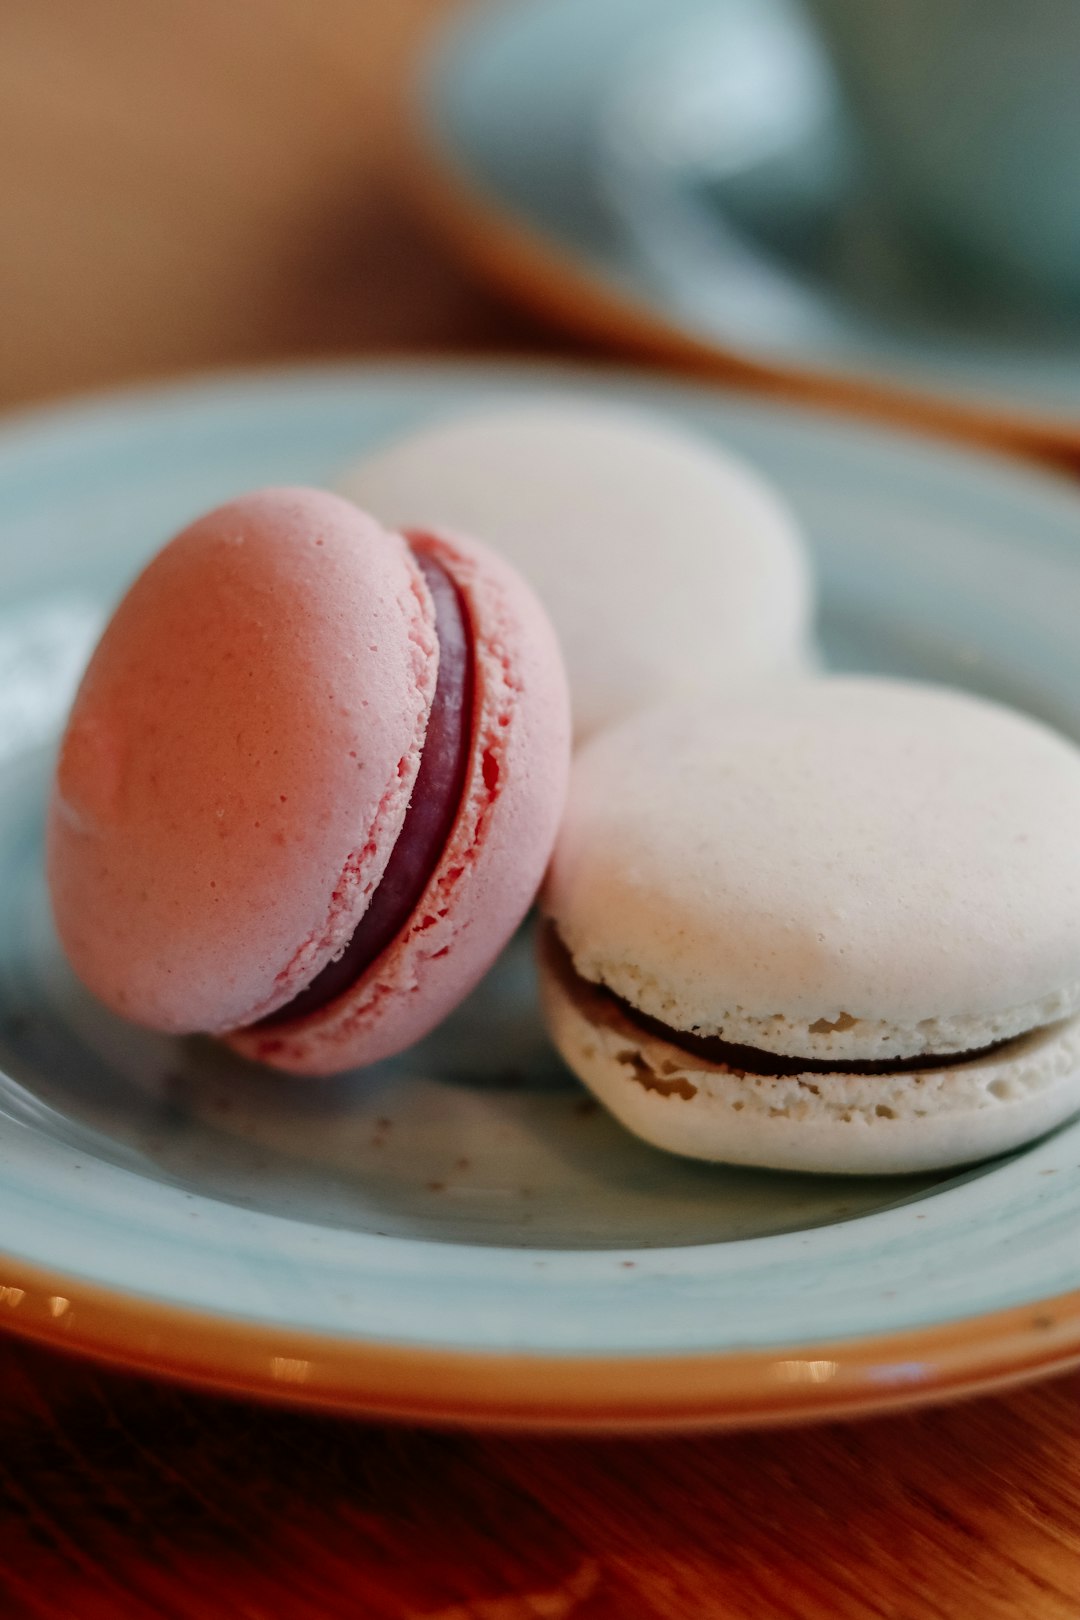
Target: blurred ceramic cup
969 113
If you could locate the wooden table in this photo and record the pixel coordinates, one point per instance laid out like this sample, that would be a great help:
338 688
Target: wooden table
211 181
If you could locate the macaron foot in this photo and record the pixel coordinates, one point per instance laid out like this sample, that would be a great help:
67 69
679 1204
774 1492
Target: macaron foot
886 1119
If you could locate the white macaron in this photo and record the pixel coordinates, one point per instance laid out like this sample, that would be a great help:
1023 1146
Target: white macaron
834 928
668 566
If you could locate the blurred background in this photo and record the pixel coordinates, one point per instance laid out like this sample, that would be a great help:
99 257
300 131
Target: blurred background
871 207
196 183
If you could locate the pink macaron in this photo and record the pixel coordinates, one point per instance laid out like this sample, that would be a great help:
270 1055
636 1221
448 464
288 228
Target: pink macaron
309 784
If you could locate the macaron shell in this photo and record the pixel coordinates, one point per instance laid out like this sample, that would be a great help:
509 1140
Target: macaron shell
667 564
498 848
852 868
239 760
837 1124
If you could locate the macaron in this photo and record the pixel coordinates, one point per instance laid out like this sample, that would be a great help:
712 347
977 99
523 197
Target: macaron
835 929
309 784
668 565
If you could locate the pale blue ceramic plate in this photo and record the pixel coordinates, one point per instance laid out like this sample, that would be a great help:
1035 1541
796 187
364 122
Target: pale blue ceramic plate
459 1233
678 169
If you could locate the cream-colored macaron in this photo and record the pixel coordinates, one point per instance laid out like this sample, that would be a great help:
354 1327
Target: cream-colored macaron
669 566
832 928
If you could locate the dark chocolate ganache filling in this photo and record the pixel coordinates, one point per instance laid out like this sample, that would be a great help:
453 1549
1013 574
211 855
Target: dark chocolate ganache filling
433 808
751 1059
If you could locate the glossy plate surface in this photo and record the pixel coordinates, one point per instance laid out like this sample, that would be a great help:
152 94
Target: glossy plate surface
677 173
460 1233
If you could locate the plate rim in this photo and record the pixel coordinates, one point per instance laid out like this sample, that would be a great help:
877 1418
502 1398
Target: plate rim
1011 460
553 1391
507 249
573 1394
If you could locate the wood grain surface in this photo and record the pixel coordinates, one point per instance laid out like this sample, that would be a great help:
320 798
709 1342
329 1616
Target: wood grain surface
126 1499
195 182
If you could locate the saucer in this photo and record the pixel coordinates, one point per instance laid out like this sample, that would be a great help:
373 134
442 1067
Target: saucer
460 1235
676 176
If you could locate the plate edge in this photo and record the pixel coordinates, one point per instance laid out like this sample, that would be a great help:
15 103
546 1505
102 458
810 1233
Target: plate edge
557 1392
